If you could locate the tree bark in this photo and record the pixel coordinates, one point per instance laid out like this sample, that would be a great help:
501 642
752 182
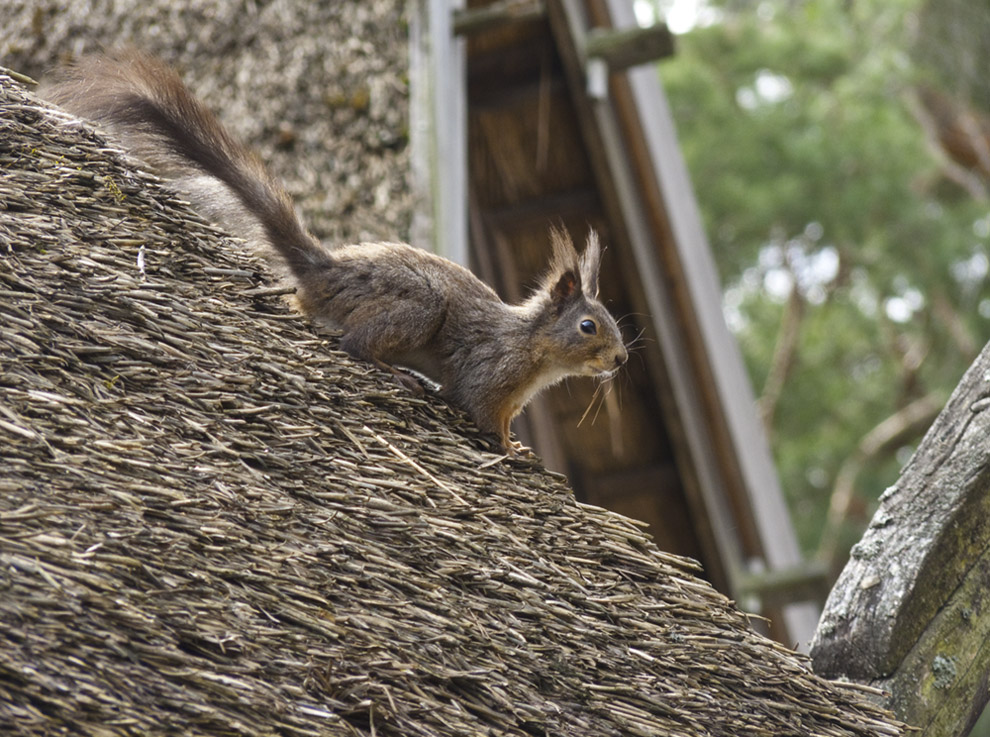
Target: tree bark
911 611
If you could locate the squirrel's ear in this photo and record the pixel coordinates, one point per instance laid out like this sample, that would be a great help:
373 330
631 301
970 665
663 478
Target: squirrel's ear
566 286
591 261
564 277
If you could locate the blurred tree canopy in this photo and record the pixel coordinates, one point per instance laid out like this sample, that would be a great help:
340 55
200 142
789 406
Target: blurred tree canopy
840 152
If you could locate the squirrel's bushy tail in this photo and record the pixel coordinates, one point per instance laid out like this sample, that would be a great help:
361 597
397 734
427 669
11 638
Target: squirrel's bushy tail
145 104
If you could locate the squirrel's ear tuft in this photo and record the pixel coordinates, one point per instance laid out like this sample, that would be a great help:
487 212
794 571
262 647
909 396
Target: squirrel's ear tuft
565 257
591 261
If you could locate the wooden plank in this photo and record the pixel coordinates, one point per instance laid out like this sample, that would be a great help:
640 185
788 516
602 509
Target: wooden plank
496 15
749 451
548 209
720 439
776 588
492 97
437 130
522 58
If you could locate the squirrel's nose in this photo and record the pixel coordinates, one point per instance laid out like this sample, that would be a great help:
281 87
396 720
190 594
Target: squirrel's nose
621 358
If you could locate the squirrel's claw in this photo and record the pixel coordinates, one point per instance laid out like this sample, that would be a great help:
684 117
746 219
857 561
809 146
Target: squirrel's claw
515 448
402 378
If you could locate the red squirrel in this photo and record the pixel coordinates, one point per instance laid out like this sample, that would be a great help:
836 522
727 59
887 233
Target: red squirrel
397 305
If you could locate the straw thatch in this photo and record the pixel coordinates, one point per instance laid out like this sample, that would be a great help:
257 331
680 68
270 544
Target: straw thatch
212 522
319 89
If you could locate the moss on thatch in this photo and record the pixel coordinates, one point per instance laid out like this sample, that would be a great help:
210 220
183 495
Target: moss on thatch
213 522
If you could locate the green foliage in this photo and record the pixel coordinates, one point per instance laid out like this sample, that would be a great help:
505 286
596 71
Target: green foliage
798 121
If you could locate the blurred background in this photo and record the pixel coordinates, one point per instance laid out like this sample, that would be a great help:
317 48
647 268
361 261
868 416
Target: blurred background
840 153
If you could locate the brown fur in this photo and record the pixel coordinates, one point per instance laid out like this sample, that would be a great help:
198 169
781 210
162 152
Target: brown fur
396 304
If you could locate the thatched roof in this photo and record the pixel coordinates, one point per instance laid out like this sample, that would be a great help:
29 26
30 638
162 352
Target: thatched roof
319 89
213 522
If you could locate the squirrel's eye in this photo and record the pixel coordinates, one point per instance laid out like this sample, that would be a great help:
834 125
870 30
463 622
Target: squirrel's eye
589 327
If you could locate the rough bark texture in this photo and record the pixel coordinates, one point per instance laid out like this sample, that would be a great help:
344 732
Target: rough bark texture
910 612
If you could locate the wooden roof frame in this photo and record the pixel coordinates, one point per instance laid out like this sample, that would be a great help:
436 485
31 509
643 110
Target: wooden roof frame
721 447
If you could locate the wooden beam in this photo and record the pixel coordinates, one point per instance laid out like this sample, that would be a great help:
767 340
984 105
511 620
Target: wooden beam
475 20
493 97
806 581
629 47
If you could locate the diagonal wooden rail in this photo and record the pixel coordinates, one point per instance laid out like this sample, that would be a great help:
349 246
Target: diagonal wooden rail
637 154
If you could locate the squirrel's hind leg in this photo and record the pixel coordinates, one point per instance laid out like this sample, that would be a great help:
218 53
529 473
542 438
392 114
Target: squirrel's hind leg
379 343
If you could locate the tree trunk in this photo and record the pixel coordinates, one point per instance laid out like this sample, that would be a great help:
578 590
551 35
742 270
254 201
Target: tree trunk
911 612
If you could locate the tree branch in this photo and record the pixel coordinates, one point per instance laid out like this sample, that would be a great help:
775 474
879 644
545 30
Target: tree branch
953 171
958 331
899 428
784 358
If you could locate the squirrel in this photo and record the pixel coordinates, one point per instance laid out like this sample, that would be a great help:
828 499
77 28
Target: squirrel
397 305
